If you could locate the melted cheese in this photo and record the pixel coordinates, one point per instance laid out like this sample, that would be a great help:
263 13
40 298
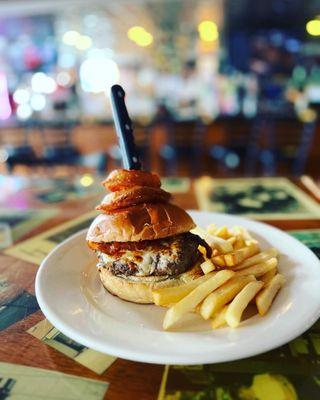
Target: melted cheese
151 258
145 267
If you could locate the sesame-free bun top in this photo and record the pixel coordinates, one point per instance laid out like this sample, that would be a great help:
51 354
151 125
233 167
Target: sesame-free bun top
146 221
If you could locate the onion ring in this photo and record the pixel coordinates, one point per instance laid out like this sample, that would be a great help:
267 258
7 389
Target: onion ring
123 178
133 196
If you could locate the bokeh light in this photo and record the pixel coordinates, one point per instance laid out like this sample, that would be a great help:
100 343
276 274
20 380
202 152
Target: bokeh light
83 42
98 74
3 155
86 180
24 111
313 27
5 108
140 36
42 83
208 31
21 96
63 78
67 60
38 102
71 37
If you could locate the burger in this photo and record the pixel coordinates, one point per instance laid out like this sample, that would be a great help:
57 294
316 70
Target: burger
143 242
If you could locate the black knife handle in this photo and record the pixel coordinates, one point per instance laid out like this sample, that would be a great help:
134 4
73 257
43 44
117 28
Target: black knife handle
123 124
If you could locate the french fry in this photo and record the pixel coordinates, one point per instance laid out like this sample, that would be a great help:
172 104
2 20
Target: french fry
223 295
239 242
236 257
259 269
258 258
213 241
171 295
240 230
265 298
207 266
211 229
248 275
222 232
232 240
190 302
231 259
223 245
240 302
219 319
202 250
196 310
266 278
219 260
251 241
251 249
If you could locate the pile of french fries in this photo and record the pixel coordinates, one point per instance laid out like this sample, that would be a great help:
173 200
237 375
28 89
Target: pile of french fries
236 274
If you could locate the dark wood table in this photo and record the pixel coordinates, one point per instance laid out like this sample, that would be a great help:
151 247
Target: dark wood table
128 380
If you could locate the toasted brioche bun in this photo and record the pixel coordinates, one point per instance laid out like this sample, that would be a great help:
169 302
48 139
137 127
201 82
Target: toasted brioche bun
139 289
133 196
140 222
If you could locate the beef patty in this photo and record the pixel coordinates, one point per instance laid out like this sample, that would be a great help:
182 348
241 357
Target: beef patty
170 256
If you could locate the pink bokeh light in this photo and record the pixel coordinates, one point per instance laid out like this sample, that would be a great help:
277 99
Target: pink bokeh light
5 108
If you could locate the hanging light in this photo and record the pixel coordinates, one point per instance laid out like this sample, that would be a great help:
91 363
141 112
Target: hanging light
140 36
208 31
313 27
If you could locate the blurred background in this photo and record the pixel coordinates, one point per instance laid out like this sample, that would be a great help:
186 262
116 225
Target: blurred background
221 87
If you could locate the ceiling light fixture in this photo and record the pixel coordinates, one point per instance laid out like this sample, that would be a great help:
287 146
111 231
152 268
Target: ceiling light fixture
208 31
313 27
140 36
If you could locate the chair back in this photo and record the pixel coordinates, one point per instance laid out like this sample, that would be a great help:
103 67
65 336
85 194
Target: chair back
184 136
281 144
57 143
14 140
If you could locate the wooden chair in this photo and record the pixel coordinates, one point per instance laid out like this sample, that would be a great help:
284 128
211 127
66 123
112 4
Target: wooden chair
280 144
15 144
229 153
57 143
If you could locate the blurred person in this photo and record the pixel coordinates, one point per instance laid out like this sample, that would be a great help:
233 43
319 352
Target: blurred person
189 90
180 94
167 87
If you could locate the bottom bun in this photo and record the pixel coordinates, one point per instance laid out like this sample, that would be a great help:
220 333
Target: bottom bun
139 289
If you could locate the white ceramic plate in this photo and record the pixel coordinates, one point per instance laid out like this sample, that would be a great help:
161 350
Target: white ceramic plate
72 298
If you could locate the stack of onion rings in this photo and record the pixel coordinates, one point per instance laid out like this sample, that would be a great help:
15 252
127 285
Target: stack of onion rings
131 187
